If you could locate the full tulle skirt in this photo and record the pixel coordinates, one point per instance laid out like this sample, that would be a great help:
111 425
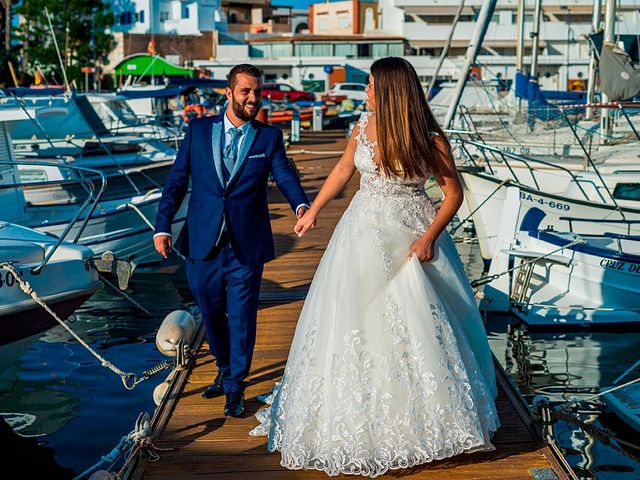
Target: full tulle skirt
390 366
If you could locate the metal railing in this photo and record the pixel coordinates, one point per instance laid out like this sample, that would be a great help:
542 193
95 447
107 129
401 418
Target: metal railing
506 157
93 197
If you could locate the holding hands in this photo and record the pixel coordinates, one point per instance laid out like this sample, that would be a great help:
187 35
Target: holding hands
306 221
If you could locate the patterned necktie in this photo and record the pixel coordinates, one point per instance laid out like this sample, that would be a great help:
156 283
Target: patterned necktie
231 151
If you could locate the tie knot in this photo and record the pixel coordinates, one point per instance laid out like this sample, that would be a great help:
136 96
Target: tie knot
235 132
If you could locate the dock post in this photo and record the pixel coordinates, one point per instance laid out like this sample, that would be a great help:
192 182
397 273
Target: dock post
295 126
317 117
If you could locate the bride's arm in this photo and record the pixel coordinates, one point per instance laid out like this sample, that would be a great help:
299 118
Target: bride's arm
333 185
453 197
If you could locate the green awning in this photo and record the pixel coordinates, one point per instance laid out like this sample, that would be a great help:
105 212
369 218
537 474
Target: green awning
147 65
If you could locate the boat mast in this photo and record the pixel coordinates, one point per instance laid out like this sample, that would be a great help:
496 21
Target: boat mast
591 85
482 24
445 50
535 35
609 36
520 43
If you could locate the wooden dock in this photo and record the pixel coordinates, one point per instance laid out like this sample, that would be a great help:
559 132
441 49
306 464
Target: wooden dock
206 444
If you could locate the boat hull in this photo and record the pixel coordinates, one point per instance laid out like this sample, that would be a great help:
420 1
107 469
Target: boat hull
485 196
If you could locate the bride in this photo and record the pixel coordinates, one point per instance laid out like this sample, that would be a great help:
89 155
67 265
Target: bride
390 365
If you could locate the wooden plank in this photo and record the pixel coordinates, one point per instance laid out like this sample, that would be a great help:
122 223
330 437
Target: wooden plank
205 444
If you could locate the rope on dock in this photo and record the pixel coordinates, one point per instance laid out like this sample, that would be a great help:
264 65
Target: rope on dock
138 440
129 380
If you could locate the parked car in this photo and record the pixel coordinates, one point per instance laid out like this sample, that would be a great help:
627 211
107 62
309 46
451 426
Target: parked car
286 93
353 91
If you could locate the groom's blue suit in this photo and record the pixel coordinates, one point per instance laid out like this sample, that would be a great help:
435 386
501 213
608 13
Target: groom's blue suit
227 236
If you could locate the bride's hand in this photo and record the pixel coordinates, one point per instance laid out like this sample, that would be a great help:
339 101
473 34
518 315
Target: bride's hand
422 248
305 223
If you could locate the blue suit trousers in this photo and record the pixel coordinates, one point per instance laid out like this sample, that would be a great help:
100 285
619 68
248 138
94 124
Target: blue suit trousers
227 293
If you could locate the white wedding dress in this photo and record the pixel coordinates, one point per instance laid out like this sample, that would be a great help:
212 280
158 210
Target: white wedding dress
390 365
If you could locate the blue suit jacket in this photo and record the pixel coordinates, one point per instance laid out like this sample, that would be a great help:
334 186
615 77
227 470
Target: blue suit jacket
242 204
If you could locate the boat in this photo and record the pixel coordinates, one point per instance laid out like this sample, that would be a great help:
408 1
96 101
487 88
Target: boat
65 281
561 193
119 225
564 278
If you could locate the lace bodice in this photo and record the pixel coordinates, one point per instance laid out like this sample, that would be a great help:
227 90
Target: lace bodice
372 180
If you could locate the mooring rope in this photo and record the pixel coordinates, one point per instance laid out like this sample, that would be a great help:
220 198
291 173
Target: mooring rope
129 380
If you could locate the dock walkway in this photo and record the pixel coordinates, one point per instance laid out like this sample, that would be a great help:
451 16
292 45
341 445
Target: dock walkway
208 445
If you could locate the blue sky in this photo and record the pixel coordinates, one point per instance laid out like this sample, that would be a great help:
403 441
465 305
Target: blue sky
294 3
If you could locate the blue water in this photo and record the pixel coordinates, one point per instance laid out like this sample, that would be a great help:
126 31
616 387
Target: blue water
82 410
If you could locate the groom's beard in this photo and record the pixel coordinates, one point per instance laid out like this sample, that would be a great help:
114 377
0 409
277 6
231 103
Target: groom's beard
242 111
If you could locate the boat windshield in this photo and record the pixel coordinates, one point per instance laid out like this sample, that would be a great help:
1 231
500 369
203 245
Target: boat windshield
116 113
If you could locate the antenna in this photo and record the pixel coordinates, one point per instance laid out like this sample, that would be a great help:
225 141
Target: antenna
55 42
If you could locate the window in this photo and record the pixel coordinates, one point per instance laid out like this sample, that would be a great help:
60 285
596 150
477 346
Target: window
313 49
379 50
364 50
185 11
126 18
284 88
260 51
281 50
344 20
323 21
396 49
627 191
164 16
344 50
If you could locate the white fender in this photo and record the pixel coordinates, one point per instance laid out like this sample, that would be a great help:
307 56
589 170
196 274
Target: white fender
175 326
161 390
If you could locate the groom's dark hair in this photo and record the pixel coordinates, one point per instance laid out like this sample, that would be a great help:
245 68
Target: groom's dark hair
242 68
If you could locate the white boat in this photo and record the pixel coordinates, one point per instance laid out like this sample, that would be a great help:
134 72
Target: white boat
66 281
122 225
119 226
559 192
564 278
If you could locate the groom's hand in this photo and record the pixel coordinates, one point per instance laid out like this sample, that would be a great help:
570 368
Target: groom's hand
163 245
301 211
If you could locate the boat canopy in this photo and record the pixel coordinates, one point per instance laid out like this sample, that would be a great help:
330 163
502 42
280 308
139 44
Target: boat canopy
141 64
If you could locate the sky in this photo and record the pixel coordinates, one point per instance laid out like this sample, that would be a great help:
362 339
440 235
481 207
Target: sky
294 3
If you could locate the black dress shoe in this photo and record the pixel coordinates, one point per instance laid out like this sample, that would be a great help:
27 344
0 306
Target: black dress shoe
234 405
215 389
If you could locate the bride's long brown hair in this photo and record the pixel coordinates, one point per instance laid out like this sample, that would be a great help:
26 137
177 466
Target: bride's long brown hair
405 124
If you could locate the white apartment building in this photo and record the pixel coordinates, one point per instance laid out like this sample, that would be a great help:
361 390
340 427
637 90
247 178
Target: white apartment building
564 50
167 17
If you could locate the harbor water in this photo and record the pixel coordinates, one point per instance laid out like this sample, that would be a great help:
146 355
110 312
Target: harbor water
54 392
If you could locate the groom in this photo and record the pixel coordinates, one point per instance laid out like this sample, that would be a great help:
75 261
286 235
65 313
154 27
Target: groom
227 234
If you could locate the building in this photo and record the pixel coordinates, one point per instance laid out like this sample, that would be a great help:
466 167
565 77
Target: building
344 17
338 41
564 50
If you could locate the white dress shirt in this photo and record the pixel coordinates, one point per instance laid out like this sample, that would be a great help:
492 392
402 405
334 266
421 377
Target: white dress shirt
227 138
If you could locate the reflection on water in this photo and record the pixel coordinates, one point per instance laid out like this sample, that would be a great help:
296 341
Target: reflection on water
81 410
564 366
